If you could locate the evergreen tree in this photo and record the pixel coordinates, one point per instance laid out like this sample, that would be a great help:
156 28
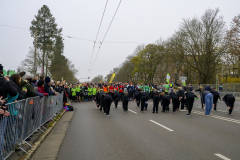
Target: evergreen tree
44 23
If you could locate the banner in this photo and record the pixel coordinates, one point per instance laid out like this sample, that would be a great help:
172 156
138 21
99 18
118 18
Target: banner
168 78
113 75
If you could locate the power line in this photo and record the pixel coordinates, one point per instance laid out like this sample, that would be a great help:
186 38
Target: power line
106 34
97 35
77 37
13 27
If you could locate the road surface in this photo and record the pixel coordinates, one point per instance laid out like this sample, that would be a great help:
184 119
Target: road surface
148 136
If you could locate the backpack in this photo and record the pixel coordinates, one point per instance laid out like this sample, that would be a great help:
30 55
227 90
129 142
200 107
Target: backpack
70 108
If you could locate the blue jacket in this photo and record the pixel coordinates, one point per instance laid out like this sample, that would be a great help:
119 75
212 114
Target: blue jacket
207 88
47 90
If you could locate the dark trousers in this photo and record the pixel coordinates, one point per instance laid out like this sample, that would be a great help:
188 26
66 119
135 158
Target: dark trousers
190 103
116 101
178 103
155 103
125 105
174 103
102 108
142 103
215 106
230 110
138 102
107 104
182 103
164 105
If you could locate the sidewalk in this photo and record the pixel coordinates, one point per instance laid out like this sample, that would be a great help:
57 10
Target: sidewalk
51 145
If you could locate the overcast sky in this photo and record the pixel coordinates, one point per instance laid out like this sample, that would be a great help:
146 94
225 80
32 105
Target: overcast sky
143 21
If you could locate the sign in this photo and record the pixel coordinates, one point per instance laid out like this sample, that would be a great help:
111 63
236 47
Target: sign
183 80
168 78
113 75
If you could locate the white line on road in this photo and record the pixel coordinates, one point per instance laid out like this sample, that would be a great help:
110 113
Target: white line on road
132 111
218 117
161 125
221 156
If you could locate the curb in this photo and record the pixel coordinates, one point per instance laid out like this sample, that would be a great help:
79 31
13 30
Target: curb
37 144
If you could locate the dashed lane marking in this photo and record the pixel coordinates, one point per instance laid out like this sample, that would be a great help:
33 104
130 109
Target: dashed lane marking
218 117
161 125
221 156
132 111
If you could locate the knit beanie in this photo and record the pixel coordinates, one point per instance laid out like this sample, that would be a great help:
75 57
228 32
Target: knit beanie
40 82
47 79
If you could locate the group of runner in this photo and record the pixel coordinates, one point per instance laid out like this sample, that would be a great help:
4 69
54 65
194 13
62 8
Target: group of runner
181 97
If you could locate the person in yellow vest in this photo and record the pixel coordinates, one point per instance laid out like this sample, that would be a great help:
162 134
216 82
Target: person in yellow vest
78 92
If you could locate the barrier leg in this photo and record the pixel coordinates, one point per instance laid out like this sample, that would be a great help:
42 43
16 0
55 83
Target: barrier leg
27 143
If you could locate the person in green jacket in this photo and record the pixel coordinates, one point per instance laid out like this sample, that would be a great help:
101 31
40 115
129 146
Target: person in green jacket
166 88
141 86
94 92
78 92
90 93
73 90
146 88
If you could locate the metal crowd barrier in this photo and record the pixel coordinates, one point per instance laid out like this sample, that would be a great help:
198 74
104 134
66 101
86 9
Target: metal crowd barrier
26 117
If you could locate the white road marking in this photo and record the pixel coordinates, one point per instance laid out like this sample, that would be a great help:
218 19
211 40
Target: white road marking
221 156
218 117
132 111
161 125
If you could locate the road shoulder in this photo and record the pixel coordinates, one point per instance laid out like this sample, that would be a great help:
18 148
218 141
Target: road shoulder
50 147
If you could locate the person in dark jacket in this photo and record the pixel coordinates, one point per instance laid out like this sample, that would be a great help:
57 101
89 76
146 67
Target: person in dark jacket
16 79
116 97
6 86
229 100
181 97
136 97
207 100
164 101
189 96
59 87
97 98
26 84
207 88
156 98
174 96
47 88
32 81
216 96
107 101
101 96
144 96
130 91
125 102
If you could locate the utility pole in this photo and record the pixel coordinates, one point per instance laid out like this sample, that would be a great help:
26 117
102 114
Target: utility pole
35 54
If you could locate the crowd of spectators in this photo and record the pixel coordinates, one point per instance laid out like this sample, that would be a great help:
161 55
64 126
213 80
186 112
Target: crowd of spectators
22 86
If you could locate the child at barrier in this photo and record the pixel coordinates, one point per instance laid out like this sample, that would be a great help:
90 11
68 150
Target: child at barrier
12 132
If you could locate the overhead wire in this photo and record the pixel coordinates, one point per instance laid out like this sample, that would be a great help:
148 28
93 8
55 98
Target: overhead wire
105 35
76 37
97 36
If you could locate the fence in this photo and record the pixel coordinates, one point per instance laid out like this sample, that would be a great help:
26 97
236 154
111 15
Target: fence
234 88
26 116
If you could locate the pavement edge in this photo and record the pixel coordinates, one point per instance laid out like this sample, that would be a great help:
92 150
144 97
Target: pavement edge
37 144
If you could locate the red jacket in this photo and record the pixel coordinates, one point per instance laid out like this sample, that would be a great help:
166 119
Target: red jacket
116 88
121 88
41 90
111 89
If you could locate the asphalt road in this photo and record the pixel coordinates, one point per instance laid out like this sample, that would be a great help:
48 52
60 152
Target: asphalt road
148 136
